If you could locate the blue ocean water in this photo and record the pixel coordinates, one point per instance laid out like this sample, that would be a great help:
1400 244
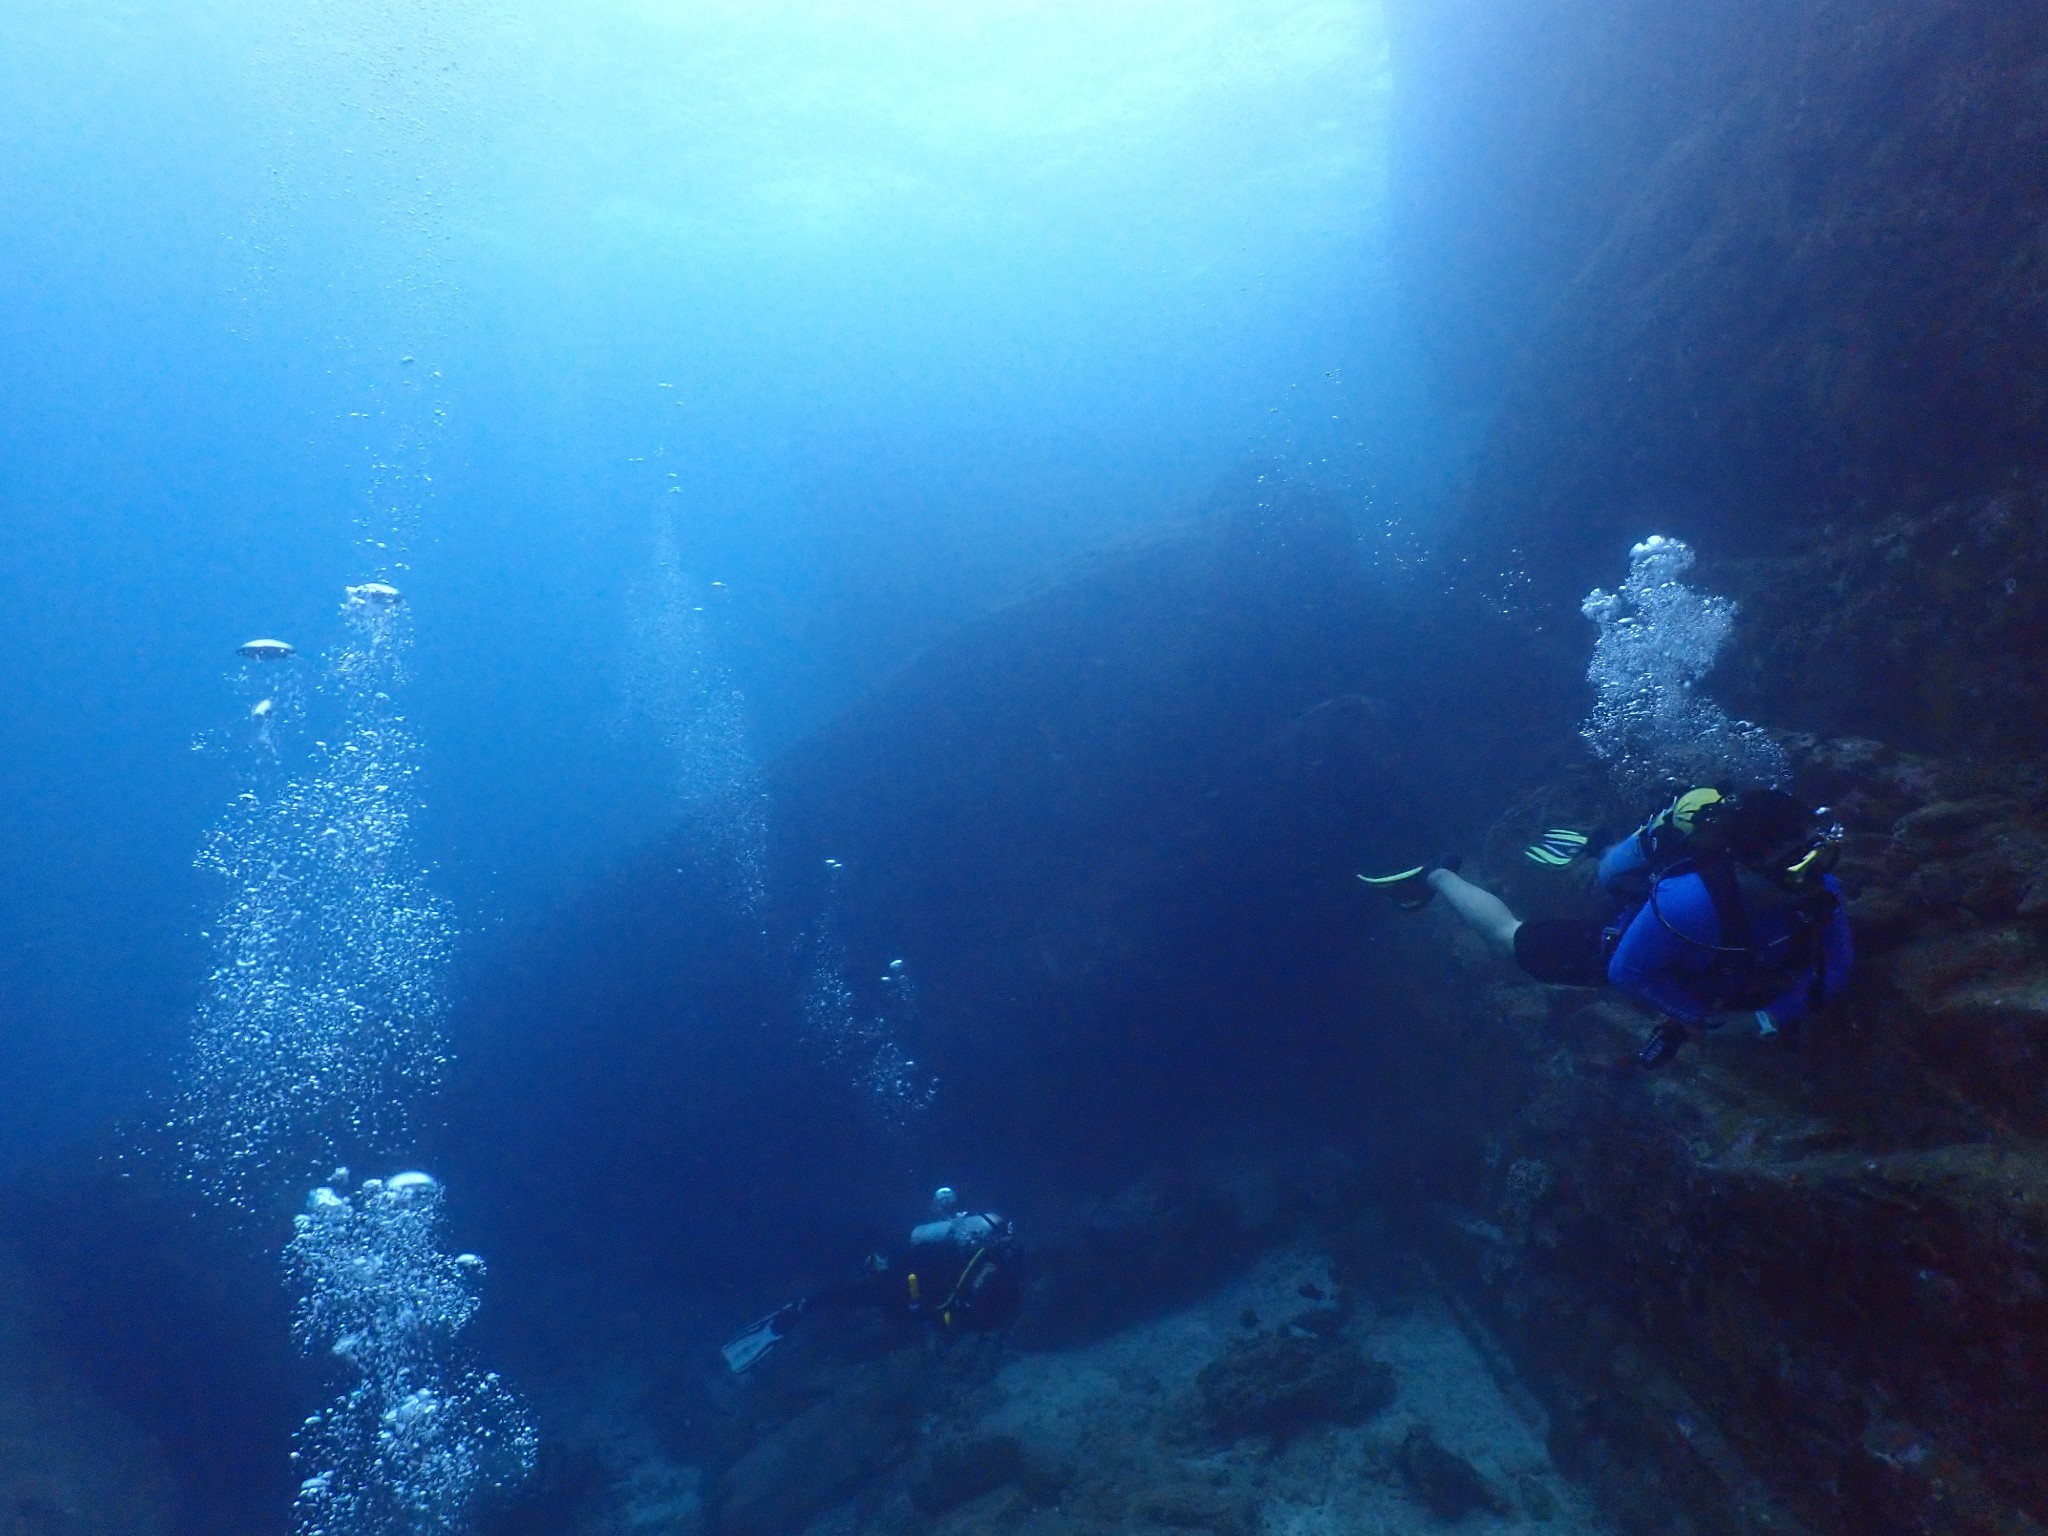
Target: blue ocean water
883 314
690 370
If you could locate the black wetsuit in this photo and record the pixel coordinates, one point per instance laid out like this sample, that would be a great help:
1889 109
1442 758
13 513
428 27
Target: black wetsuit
970 1280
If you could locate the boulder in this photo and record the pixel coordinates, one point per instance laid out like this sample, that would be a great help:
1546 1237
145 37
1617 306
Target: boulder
826 1452
1447 1485
1287 1381
958 1470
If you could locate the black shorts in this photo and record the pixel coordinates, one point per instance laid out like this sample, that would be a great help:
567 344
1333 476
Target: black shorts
1564 951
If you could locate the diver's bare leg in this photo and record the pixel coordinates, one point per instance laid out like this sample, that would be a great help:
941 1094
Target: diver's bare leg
1485 913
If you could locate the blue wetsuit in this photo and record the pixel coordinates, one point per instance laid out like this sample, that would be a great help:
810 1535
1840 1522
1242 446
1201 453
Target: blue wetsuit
1666 956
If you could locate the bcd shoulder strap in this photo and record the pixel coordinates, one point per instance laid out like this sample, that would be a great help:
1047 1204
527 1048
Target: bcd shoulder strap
1743 973
1731 911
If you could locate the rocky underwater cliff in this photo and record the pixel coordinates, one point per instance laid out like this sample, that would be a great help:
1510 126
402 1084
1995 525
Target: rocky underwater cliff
1334 1221
1339 1223
1792 1285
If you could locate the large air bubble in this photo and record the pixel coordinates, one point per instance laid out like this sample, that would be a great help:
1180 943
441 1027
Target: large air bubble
1658 639
322 1017
417 1434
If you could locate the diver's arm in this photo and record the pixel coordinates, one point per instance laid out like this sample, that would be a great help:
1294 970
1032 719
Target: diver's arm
1642 967
1837 947
1789 1007
1837 959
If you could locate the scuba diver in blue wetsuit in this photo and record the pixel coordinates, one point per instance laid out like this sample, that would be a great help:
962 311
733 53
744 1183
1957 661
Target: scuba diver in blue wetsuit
1727 909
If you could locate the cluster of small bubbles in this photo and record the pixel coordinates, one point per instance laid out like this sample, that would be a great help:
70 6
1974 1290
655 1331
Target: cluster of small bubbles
1312 437
1393 547
1510 587
897 978
321 1018
274 703
684 691
1658 639
899 1089
371 663
867 1045
417 1434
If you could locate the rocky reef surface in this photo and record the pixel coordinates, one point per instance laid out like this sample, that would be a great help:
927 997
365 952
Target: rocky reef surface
1762 268
1808 1267
1327 1383
1767 278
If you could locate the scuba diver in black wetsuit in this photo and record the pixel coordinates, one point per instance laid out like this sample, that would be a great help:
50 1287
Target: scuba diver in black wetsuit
1727 908
961 1272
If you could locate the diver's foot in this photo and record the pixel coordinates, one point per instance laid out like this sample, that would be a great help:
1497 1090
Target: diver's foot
1409 889
1661 1047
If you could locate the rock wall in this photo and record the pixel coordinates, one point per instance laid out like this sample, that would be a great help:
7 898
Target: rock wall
1116 822
1775 280
1788 302
1808 1269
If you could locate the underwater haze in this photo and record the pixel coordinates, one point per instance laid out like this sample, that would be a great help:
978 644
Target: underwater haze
871 313
1023 768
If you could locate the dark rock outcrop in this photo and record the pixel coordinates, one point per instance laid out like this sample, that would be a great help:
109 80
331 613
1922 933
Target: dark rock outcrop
1147 1249
1771 279
1928 629
1448 1485
965 1469
1126 810
1284 1382
1825 292
825 1452
1110 828
1801 1270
